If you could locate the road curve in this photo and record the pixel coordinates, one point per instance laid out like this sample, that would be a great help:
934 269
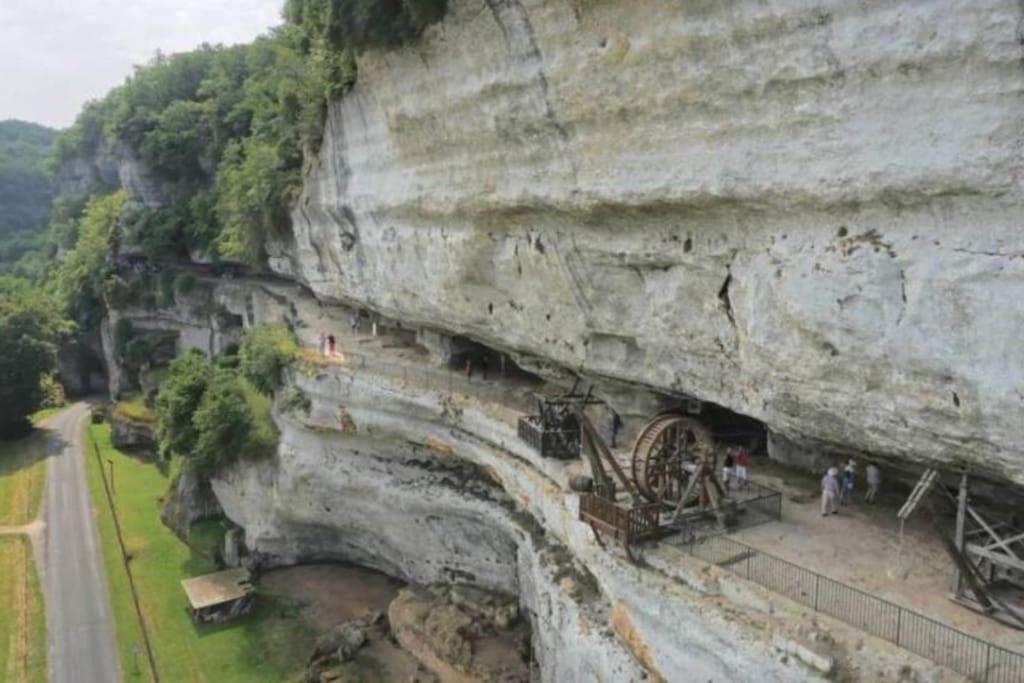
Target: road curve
80 629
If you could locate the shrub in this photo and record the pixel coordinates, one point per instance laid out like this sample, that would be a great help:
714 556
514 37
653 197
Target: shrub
222 423
264 353
188 376
53 392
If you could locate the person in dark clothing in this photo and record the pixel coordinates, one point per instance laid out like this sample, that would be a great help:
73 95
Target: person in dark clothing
614 425
483 367
728 468
330 344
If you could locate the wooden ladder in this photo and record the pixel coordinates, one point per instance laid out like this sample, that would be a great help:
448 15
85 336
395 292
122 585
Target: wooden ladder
921 489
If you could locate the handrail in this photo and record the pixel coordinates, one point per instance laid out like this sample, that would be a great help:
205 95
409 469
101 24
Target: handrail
979 660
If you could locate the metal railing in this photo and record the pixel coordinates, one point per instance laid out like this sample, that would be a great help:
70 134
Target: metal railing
977 659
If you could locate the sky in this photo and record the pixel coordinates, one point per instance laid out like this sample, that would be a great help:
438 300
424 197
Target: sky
55 55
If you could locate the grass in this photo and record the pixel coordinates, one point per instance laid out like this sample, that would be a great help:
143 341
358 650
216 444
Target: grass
270 644
43 413
134 411
22 475
23 623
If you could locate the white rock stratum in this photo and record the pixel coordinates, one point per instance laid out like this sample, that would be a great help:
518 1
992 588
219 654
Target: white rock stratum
808 212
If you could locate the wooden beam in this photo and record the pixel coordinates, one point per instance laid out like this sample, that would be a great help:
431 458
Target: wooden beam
991 533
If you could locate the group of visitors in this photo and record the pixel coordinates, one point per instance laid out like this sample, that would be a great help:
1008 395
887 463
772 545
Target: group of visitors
838 489
736 467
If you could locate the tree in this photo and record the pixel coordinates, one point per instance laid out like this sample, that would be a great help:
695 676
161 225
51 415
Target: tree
179 398
222 423
80 278
265 352
30 330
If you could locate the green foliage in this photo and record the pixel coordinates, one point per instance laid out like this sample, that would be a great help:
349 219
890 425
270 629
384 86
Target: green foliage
166 285
80 279
178 400
30 330
295 399
255 189
25 188
265 352
364 23
222 422
52 390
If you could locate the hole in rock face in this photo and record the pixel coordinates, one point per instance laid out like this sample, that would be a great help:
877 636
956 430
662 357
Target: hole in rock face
956 400
734 429
688 245
485 360
843 232
490 308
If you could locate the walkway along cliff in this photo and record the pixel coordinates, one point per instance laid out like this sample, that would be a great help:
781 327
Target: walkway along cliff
807 216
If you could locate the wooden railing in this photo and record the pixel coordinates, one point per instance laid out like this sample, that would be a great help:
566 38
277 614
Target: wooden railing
626 525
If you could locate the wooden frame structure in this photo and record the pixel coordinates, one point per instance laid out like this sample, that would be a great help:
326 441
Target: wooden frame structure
219 597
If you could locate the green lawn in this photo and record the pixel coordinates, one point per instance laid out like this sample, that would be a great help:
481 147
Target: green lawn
22 621
271 644
22 475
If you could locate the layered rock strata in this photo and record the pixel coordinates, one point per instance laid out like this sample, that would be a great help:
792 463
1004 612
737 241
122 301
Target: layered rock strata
809 213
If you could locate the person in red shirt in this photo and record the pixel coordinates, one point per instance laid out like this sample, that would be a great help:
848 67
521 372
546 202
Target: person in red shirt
742 467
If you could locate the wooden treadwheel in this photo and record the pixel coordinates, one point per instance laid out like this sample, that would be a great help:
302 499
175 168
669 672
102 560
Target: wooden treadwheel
665 452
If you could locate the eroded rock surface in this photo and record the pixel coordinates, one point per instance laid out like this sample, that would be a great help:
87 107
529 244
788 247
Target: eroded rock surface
809 212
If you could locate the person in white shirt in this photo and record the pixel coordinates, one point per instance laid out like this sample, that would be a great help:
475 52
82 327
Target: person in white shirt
830 492
874 476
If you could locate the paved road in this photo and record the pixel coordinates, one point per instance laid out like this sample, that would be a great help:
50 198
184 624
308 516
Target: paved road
79 624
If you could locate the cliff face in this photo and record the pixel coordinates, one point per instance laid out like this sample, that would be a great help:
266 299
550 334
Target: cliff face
809 214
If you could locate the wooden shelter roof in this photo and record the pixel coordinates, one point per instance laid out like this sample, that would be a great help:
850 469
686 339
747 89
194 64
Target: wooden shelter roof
217 588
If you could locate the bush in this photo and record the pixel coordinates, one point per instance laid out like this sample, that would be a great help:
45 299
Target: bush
188 376
265 352
222 423
53 392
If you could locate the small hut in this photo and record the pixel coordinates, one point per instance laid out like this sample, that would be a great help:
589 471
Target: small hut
219 597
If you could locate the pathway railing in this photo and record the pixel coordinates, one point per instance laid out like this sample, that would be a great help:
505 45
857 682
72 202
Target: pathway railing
977 659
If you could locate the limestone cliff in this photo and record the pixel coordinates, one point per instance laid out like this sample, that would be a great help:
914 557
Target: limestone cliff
808 212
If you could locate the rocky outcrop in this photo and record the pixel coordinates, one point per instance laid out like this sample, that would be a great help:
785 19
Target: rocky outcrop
808 213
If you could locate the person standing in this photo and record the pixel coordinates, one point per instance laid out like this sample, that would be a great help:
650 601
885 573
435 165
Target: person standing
469 368
846 486
330 344
874 476
830 492
728 468
614 425
742 467
484 365
353 322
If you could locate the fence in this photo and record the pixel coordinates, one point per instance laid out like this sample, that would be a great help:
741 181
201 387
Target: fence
977 659
125 559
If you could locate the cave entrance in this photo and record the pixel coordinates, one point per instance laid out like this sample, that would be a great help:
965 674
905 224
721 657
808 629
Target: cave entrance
477 359
730 428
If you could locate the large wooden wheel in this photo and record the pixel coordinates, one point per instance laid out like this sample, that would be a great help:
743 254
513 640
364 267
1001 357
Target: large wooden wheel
665 452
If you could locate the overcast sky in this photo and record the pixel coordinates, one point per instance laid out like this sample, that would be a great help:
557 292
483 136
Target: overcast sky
57 54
